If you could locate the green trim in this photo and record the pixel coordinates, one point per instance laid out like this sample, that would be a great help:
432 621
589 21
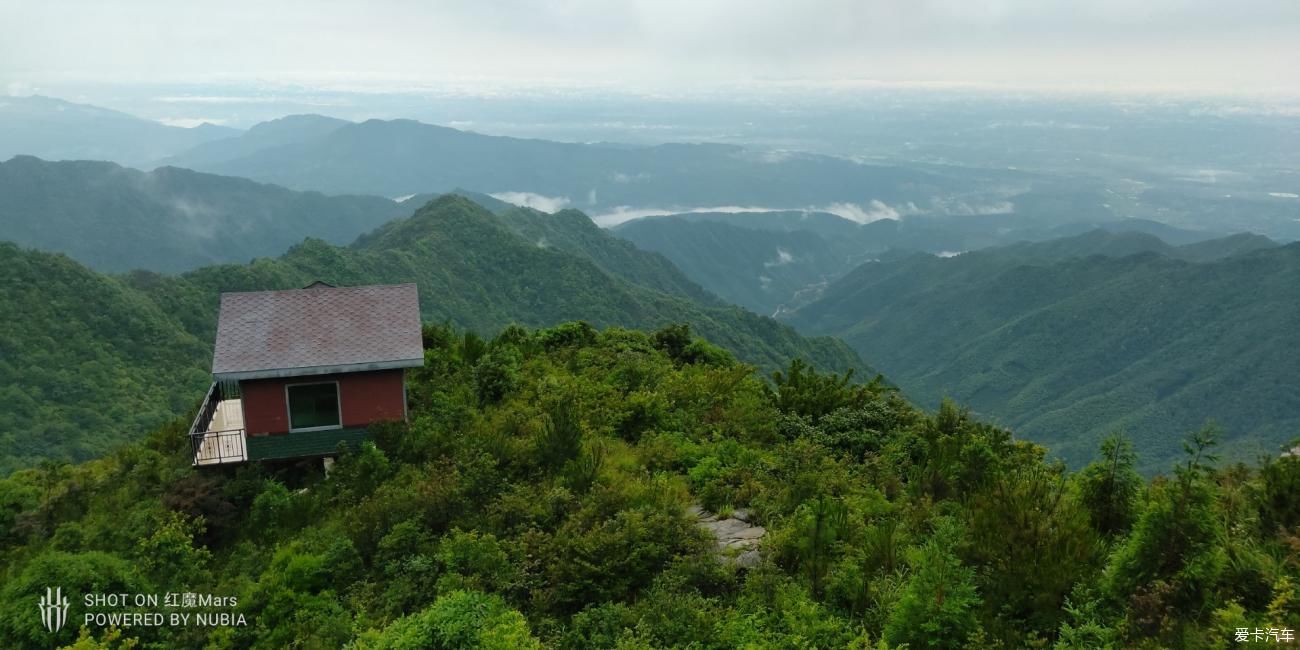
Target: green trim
303 444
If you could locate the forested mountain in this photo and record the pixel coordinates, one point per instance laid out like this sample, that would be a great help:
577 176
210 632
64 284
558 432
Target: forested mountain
769 261
1068 340
86 362
115 219
573 232
757 269
95 358
560 510
400 157
58 130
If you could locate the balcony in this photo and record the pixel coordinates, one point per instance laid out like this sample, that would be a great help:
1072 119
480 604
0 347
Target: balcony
217 435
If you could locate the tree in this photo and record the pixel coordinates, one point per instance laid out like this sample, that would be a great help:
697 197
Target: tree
1109 487
938 607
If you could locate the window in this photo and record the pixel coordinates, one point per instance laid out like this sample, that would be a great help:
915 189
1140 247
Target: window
313 406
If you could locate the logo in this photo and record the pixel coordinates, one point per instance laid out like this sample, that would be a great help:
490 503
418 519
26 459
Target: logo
54 609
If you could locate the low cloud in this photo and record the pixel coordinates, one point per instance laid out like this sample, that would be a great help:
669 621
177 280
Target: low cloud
534 201
620 177
867 212
19 89
967 209
783 257
191 122
624 213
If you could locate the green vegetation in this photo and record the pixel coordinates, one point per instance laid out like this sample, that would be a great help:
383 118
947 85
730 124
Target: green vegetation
1072 339
573 232
775 261
86 362
538 498
117 219
92 361
757 269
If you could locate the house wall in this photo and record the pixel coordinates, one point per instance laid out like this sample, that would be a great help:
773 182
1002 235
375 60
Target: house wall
364 397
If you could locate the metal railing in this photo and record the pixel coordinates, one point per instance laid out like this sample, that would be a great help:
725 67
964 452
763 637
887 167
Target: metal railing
216 447
209 447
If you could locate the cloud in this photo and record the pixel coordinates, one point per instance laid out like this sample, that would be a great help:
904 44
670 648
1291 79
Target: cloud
532 200
19 89
783 257
191 122
960 208
620 177
625 213
865 213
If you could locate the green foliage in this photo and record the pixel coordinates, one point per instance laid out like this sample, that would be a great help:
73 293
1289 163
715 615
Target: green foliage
800 390
555 515
1109 487
1279 507
1069 339
459 619
938 607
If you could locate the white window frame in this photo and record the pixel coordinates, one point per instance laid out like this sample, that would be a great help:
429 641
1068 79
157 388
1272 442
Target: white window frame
288 410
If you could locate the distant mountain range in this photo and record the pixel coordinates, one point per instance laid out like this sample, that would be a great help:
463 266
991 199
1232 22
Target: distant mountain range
54 129
400 157
89 360
1070 339
774 261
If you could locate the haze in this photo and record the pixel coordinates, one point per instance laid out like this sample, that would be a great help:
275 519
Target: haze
676 46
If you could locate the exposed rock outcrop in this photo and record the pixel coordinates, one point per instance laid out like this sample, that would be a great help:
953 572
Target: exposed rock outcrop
737 537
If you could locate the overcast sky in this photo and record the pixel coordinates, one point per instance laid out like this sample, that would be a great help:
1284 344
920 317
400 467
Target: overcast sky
1232 46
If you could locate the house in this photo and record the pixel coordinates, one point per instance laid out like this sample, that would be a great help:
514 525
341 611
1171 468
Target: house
297 373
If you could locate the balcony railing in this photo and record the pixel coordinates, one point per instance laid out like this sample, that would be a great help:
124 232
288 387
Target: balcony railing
217 434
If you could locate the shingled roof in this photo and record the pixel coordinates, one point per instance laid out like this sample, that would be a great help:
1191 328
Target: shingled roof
318 330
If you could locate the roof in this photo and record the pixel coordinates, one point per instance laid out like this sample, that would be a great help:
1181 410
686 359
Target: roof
317 330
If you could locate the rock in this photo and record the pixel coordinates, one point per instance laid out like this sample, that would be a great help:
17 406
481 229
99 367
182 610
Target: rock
736 537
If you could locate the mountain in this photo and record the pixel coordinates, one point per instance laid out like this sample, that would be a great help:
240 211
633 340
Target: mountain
757 269
1070 339
115 219
86 362
93 360
573 232
773 261
54 129
265 135
401 157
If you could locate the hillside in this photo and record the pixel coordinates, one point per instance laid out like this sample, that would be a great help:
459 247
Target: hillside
116 219
563 511
1066 343
86 362
152 333
773 261
573 232
60 130
757 269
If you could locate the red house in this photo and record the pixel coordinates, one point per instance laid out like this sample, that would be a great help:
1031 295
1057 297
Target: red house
297 373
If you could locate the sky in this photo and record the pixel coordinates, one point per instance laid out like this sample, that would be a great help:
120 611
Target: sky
1212 46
